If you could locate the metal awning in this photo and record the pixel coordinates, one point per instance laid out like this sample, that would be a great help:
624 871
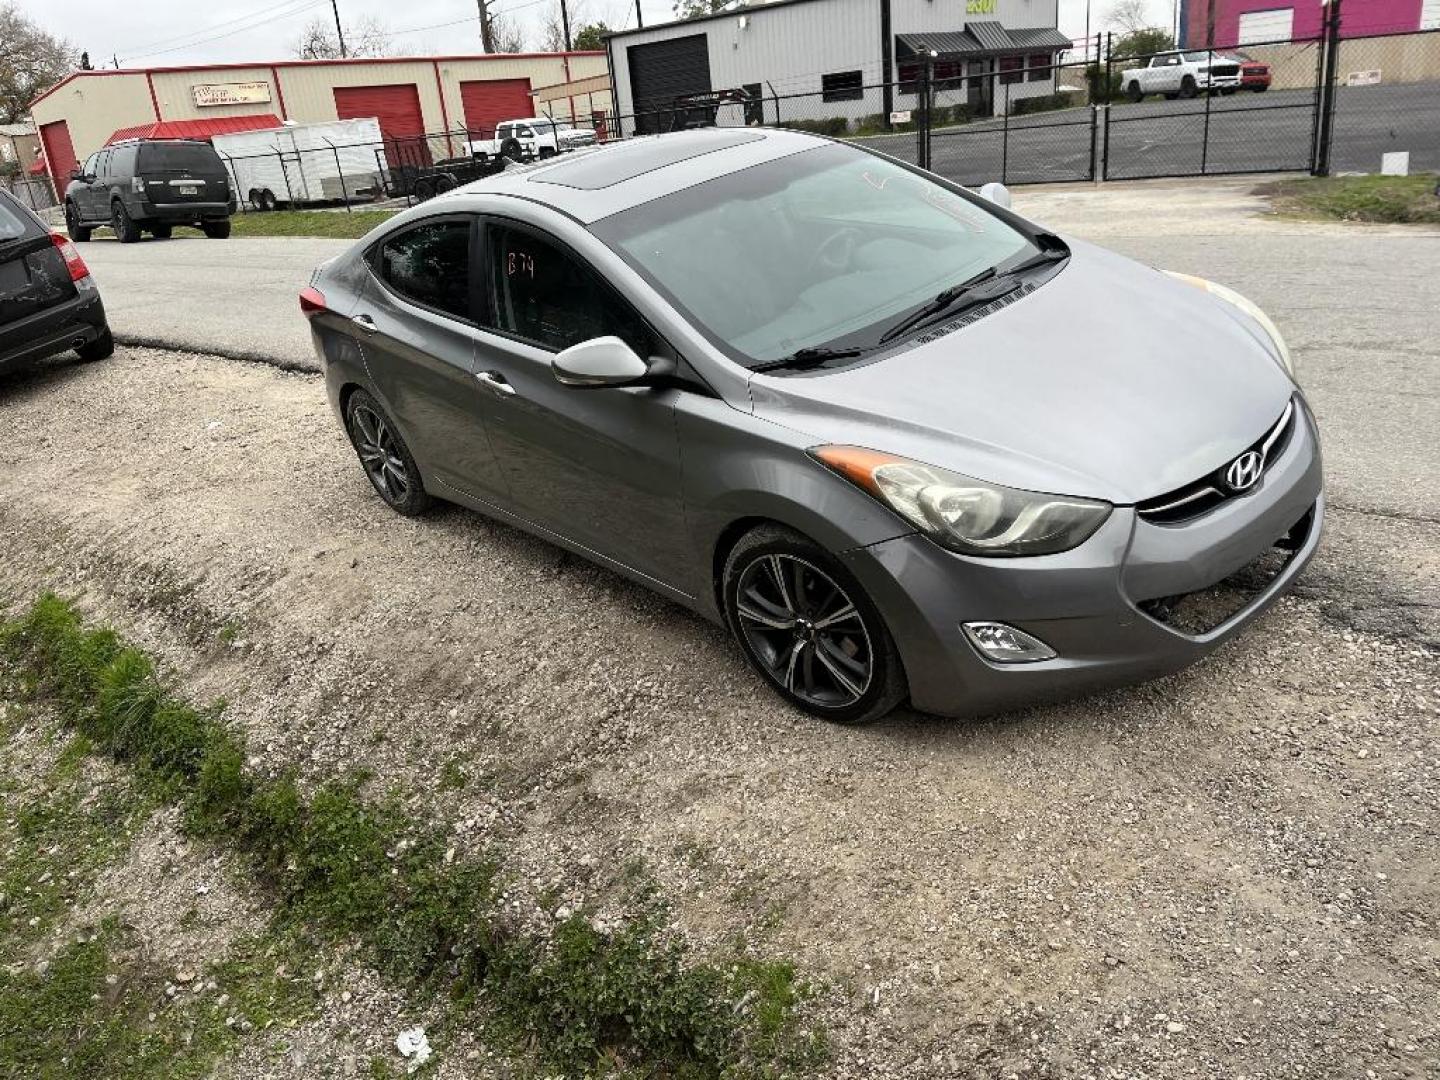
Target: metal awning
984 38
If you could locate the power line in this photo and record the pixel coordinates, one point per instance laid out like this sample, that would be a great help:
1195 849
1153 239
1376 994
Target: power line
307 5
138 50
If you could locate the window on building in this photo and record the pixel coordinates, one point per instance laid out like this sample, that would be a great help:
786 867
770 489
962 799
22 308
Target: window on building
842 86
546 296
1039 65
430 265
1012 69
948 75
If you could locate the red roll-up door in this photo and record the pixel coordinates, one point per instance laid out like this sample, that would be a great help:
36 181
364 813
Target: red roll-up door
59 154
398 110
489 101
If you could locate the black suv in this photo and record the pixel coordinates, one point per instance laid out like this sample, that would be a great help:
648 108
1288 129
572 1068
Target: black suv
48 301
150 185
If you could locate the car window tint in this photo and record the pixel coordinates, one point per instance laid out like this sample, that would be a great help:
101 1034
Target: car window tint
179 157
122 161
544 295
90 163
12 225
431 266
102 164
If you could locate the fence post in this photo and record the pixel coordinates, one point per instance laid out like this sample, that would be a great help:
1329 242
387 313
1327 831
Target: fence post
341 174
922 119
1209 97
1005 135
1105 155
1328 95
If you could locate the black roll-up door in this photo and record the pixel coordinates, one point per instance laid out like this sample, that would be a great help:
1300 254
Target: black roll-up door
662 71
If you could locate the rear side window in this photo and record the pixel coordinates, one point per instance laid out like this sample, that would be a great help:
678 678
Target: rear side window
430 265
122 161
178 157
13 223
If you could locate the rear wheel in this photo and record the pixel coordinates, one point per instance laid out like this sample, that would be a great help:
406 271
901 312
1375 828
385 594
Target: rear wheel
423 189
161 232
101 348
123 224
443 183
384 456
1133 91
216 230
79 233
809 628
268 201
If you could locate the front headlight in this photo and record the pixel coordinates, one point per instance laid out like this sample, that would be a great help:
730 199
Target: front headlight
966 515
1249 307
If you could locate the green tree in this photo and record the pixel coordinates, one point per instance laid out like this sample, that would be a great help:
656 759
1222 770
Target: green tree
30 61
591 36
1143 42
693 9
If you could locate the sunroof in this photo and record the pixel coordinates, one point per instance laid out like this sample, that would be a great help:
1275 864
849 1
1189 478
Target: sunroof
616 164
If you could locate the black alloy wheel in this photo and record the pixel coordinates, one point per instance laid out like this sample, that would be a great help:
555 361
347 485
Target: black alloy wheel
123 224
810 629
78 232
384 456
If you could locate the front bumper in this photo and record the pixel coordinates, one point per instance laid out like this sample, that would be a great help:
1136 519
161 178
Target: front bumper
55 330
1086 604
1217 82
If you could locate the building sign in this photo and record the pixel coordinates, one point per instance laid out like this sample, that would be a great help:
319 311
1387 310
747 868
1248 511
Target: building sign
979 7
1362 78
239 93
900 117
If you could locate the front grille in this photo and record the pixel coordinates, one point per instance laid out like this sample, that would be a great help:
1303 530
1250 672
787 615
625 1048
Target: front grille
1203 495
1201 611
1224 69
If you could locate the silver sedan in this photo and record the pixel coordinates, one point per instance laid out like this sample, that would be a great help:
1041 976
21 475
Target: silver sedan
904 443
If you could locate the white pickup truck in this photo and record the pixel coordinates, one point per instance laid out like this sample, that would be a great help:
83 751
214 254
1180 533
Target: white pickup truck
533 137
1183 74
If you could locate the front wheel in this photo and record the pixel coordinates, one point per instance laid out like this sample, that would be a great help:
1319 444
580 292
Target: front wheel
808 627
79 233
384 456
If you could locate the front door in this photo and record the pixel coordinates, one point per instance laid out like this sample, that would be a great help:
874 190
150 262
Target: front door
415 323
981 96
600 467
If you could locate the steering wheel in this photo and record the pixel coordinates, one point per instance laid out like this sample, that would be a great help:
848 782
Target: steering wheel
837 251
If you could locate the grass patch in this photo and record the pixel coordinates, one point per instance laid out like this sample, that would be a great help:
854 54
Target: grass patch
1404 200
323 223
582 999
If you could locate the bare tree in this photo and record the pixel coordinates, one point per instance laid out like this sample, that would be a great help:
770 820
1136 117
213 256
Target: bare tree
367 36
31 60
506 36
1128 16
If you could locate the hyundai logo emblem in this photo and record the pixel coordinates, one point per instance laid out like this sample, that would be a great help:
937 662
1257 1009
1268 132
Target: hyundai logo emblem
1244 472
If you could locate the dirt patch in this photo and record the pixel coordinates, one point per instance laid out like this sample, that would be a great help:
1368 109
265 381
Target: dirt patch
1206 875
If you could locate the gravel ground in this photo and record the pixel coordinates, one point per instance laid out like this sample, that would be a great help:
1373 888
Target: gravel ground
1230 872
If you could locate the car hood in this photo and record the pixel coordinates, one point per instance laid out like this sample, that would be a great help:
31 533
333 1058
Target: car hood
1111 380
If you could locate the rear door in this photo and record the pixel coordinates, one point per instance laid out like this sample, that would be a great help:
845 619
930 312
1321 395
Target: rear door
182 172
33 274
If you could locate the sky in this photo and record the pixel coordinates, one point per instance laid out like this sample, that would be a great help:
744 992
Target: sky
148 33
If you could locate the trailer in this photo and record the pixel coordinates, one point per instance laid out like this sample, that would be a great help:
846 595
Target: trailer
299 164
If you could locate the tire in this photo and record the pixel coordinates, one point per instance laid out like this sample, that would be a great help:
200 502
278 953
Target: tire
848 672
384 456
444 182
423 190
1262 89
1133 91
253 198
124 225
1227 92
79 233
102 348
1187 87
268 202
1171 97
546 152
216 230
162 232
511 149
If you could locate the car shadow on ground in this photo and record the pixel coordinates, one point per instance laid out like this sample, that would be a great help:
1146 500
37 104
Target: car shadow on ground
21 381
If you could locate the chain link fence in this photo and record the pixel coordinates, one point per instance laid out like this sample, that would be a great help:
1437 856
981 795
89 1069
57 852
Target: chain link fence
36 192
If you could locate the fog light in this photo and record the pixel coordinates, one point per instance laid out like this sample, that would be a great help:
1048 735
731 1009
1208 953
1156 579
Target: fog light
1006 645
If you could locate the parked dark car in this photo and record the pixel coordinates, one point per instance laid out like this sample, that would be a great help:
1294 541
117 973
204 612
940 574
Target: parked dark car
48 301
150 185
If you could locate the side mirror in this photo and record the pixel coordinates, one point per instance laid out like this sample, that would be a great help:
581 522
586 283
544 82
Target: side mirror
999 194
77 174
599 362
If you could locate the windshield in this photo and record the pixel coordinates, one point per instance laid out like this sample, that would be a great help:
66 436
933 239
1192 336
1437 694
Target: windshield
822 248
1201 57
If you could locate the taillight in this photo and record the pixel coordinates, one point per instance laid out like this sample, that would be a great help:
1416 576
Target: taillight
73 262
312 302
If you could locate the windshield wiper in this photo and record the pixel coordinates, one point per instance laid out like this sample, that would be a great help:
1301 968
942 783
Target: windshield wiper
808 358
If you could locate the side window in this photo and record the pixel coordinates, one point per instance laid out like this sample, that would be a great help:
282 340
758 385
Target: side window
842 86
430 265
102 164
523 131
122 161
90 163
502 132
544 295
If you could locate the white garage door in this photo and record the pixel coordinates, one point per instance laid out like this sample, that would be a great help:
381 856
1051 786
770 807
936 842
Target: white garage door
1258 26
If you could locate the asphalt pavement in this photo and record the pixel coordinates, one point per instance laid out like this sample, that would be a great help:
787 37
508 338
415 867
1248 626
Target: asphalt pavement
1245 132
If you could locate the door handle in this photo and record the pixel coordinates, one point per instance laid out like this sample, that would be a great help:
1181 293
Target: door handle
493 380
365 322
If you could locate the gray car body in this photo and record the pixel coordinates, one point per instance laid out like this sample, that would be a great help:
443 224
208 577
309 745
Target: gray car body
1110 381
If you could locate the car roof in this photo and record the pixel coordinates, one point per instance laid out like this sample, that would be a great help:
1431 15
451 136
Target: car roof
594 183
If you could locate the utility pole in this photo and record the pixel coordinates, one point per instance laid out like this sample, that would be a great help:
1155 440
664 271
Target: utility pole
639 18
487 37
1087 32
339 33
565 23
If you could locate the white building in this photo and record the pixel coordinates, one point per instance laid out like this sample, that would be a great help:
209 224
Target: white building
818 59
